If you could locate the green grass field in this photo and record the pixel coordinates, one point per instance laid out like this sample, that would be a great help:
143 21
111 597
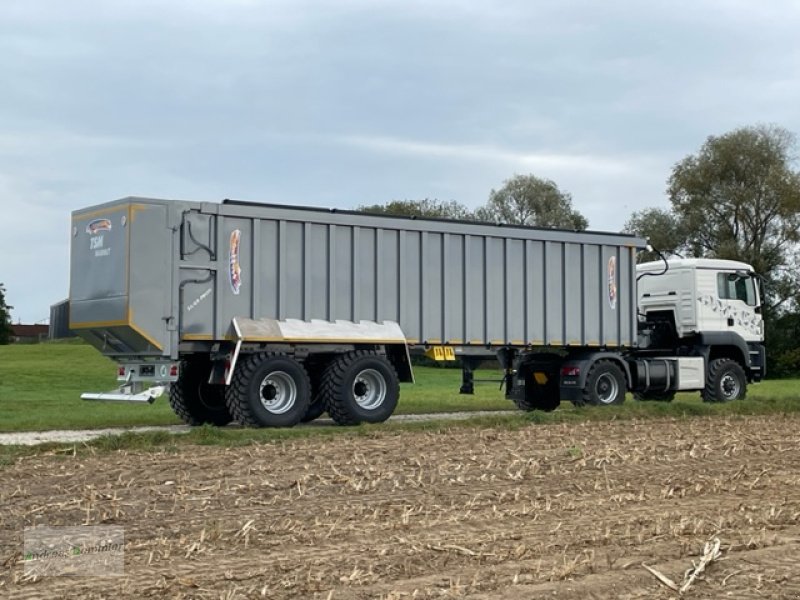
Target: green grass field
41 384
40 387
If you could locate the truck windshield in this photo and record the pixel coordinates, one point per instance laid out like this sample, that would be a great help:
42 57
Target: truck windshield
735 287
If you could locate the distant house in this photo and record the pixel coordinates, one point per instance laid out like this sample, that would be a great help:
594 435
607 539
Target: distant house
28 333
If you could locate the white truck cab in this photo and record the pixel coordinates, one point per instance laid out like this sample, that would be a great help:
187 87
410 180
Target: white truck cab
703 295
708 308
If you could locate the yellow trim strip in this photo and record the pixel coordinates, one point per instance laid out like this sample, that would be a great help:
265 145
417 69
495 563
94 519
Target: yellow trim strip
197 336
152 342
321 341
97 324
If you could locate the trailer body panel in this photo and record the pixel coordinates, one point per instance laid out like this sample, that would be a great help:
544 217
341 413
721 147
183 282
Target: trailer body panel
182 271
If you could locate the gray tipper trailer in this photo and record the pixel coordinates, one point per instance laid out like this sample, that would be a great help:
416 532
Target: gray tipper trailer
271 315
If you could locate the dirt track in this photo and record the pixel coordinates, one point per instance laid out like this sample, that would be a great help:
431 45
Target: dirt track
567 511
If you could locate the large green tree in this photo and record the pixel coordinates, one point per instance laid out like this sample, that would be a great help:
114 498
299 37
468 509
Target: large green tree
530 200
662 228
739 198
427 207
5 317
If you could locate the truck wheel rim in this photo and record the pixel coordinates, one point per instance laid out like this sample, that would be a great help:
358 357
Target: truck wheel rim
278 392
730 386
369 389
606 388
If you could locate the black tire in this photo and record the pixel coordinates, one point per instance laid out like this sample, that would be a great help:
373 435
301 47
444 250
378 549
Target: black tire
360 387
196 401
725 381
605 384
654 396
315 370
269 390
314 411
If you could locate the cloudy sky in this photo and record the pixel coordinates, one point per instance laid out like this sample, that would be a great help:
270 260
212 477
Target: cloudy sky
354 102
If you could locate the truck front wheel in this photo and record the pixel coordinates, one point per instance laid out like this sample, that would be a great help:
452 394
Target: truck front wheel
360 387
269 390
605 384
195 400
725 381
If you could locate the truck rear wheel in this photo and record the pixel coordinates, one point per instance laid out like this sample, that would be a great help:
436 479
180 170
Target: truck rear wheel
196 401
269 390
360 387
605 384
725 381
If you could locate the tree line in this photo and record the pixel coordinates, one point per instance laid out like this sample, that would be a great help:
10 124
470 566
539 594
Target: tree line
523 200
736 198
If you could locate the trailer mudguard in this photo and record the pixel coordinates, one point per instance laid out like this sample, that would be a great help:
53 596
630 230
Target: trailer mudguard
316 331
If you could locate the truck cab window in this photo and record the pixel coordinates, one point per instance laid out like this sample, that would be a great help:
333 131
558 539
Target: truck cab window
731 286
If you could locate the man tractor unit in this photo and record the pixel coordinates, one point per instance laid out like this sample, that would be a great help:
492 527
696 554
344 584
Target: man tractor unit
271 315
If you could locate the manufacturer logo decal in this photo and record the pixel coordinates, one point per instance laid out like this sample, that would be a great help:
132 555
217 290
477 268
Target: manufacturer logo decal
612 282
235 269
98 225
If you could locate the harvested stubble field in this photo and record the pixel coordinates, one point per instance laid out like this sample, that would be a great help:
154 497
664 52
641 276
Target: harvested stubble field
559 510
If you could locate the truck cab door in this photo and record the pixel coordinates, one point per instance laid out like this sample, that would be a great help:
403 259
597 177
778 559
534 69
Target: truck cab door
736 307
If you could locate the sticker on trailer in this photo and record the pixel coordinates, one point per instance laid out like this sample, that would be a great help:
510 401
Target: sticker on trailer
612 282
235 268
98 225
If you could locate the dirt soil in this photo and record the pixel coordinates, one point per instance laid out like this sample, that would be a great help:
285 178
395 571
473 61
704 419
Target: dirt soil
557 511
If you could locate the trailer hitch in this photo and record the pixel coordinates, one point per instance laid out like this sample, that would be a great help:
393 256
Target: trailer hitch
128 393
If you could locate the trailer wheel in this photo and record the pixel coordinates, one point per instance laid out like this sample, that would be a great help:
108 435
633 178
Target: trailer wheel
316 407
196 401
605 384
269 390
654 396
360 387
315 410
725 381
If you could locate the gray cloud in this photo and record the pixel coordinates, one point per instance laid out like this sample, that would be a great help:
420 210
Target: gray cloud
351 102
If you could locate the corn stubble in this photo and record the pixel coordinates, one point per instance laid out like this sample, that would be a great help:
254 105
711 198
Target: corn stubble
574 510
